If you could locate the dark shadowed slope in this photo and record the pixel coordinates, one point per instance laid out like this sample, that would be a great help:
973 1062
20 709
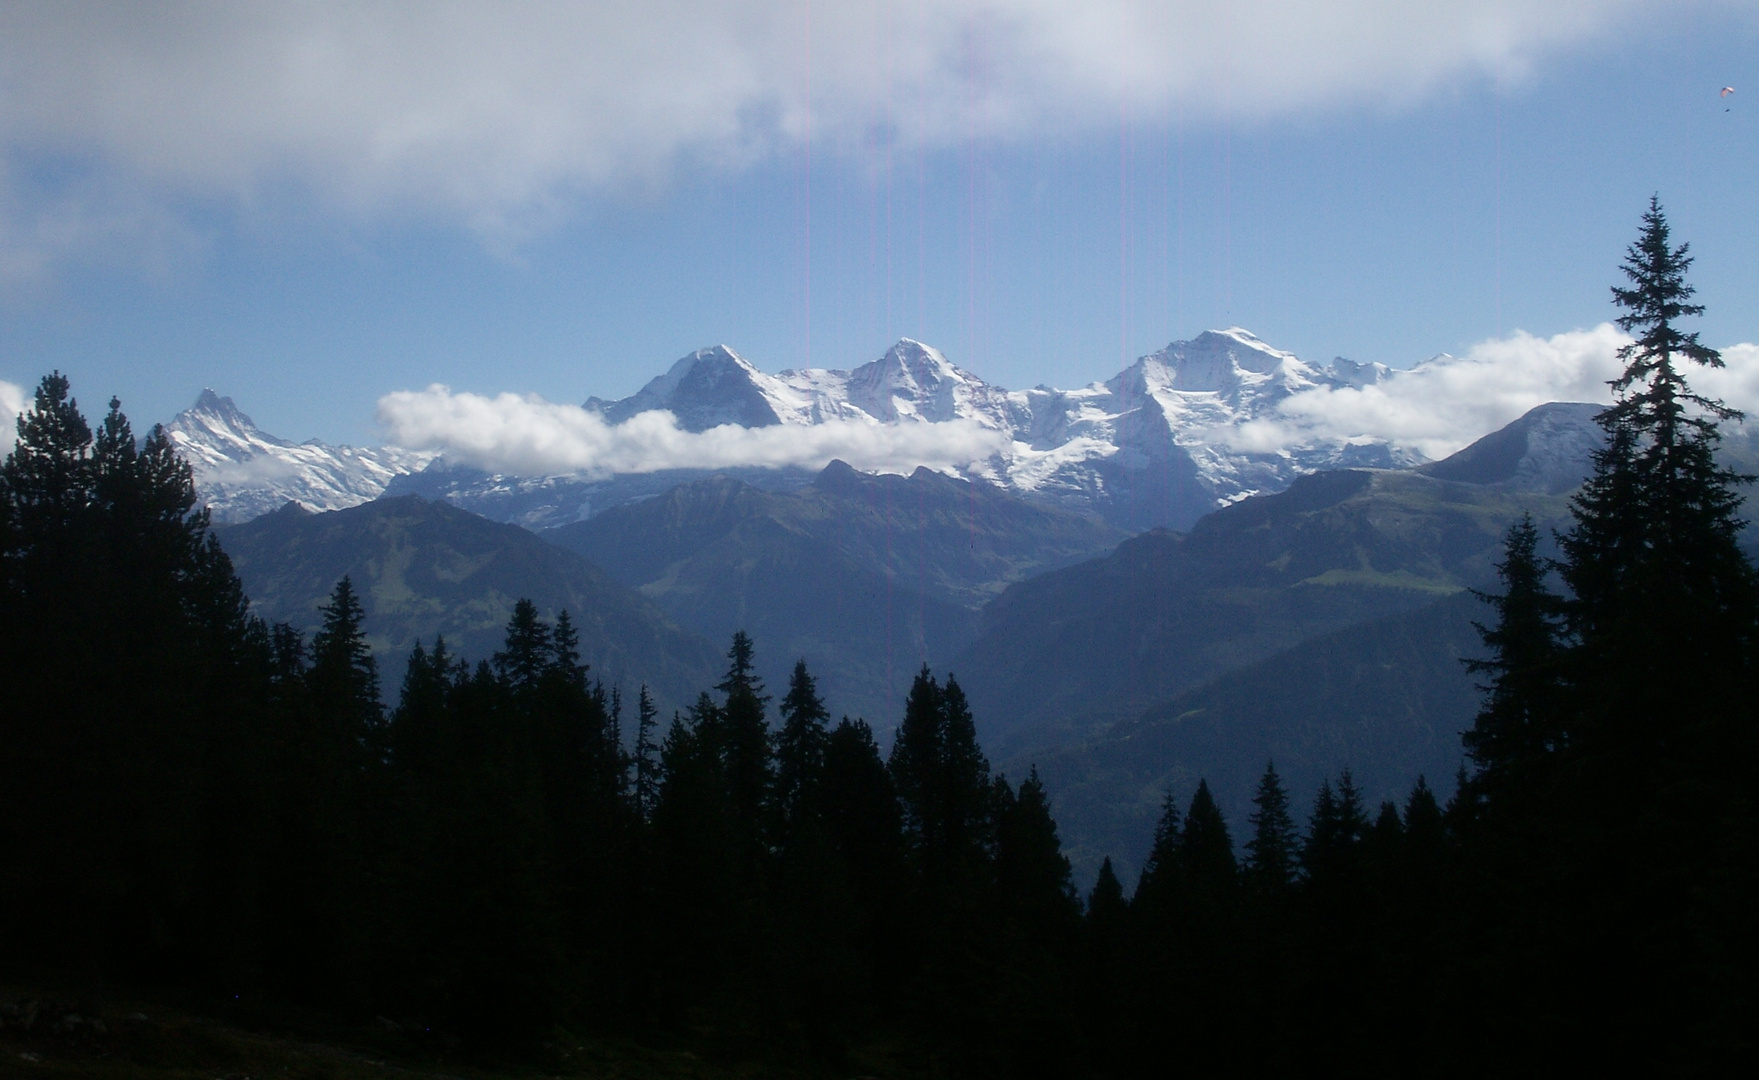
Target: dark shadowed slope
1067 654
425 568
1386 699
1548 449
863 576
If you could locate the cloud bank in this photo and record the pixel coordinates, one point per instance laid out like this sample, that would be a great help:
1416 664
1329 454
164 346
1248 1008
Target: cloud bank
12 402
526 435
1441 405
1434 408
499 116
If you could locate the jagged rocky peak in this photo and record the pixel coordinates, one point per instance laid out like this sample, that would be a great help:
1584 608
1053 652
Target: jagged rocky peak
218 416
704 389
242 472
911 379
1215 361
918 381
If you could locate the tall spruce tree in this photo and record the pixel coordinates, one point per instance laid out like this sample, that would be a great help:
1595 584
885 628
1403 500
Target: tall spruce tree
125 648
747 760
1162 880
646 785
1654 542
528 651
344 675
1205 847
1521 720
800 751
1663 617
1271 854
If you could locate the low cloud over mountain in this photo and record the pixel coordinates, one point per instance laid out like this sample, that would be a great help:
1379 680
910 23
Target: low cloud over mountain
1427 412
528 435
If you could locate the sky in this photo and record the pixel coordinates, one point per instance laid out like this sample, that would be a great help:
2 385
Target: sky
312 207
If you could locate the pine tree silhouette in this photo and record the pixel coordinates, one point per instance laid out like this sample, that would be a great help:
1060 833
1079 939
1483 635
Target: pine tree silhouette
800 751
1271 854
1521 720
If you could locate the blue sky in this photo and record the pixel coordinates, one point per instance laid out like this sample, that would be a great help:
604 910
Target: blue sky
1378 184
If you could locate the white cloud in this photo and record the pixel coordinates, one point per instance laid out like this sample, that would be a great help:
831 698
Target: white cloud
500 115
1441 405
12 402
527 435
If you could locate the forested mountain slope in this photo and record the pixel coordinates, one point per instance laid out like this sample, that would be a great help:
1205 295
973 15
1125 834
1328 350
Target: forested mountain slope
426 568
863 576
1065 655
1386 699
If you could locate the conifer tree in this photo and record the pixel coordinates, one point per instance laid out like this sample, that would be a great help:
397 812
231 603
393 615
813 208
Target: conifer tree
565 650
1040 933
647 766
47 473
1521 720
1425 831
1654 542
861 808
965 774
1271 854
800 749
1030 866
1107 975
747 761
344 676
1663 618
1205 847
1106 903
1161 883
1334 833
915 760
943 780
528 651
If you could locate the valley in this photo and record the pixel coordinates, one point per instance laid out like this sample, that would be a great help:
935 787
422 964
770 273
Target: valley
1321 626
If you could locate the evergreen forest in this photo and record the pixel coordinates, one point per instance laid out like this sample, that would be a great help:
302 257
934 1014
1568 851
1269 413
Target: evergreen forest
195 800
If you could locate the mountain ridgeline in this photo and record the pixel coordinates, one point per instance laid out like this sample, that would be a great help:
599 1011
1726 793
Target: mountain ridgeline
863 576
424 570
1069 653
1138 450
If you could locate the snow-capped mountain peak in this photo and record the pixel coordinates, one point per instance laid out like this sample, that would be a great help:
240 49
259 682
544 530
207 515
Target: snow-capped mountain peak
917 381
221 422
1198 424
704 389
1349 373
1227 369
242 471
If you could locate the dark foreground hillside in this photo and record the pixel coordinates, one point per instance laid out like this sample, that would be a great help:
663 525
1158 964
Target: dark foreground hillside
118 1035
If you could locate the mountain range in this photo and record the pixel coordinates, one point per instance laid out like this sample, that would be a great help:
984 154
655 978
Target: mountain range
1320 625
1310 606
243 472
1155 445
